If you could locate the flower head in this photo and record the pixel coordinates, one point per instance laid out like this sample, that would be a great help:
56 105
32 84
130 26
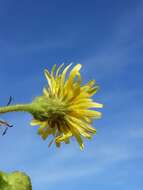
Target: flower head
65 109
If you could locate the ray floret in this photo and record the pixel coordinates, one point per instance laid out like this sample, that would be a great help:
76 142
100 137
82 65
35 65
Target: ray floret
66 109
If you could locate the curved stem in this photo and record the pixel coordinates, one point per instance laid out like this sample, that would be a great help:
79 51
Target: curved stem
17 107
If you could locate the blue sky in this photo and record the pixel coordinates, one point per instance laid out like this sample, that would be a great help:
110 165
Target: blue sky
106 37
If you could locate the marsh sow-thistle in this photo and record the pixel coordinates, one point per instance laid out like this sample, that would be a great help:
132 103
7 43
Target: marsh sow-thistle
65 109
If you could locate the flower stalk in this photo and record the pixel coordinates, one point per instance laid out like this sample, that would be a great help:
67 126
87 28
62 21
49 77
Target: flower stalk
16 108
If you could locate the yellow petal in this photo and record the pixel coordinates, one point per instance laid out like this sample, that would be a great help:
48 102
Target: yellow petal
49 78
93 91
78 101
45 92
93 113
89 113
86 105
82 124
63 75
58 70
35 122
77 136
53 70
88 85
74 72
80 129
64 137
96 105
46 133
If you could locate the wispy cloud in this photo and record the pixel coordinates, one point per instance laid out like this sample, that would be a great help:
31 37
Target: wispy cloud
120 49
47 44
100 162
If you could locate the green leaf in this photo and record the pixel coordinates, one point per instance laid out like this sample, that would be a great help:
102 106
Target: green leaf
15 181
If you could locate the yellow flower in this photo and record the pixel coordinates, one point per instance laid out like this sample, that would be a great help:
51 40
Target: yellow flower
66 106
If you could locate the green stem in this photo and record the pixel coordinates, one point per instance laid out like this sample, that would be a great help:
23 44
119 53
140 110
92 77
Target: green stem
17 107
